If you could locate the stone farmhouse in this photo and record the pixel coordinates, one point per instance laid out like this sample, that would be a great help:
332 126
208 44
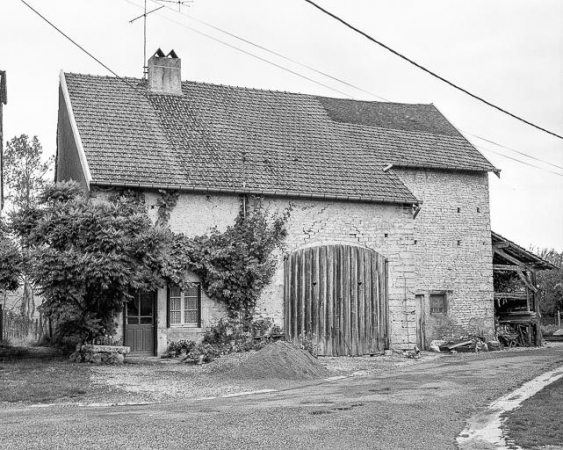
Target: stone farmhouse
389 242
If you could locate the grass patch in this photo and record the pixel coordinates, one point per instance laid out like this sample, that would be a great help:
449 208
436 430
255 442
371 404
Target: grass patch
538 421
42 381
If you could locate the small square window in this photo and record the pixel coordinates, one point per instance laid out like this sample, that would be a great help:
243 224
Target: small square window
438 304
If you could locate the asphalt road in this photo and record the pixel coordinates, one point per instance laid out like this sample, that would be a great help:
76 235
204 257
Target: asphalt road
423 406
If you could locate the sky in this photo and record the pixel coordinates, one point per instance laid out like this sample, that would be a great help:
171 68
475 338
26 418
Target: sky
509 52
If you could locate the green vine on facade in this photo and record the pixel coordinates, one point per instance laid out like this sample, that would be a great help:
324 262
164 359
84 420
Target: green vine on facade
235 265
135 196
166 204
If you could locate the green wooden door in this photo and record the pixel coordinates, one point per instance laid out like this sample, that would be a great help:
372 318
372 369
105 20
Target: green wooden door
140 321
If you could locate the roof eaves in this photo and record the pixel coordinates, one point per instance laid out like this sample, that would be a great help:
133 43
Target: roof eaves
494 169
437 167
267 192
542 263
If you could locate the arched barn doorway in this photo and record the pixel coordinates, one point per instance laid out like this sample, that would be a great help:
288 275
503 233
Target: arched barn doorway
336 296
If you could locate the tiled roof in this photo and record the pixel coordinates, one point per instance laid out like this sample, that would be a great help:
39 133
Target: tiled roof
235 139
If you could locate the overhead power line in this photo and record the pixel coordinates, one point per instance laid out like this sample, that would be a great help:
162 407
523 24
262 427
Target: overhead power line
246 52
518 160
272 52
261 47
76 43
281 67
515 151
434 74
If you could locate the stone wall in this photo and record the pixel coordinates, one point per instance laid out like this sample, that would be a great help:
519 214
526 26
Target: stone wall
387 229
453 251
447 248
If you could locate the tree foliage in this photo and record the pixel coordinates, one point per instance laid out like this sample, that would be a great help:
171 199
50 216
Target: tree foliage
11 264
88 257
24 170
24 175
550 283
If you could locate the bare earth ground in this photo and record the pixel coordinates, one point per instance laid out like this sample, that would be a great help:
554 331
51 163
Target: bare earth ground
37 376
152 379
392 403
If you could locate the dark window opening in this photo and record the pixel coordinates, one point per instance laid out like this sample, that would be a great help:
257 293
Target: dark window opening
438 304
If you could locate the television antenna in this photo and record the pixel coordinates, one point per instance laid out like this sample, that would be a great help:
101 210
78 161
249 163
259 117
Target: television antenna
180 3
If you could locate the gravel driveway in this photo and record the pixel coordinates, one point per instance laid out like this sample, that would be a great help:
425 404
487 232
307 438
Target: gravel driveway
392 404
160 380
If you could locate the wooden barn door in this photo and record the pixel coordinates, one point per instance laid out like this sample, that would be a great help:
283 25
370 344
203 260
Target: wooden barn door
336 296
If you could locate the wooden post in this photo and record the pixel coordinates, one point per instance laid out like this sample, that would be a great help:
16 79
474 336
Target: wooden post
1 323
558 317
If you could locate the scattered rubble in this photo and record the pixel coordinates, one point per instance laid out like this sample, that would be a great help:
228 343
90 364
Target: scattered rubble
469 345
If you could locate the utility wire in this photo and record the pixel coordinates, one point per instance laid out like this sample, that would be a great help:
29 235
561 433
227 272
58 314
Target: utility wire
518 160
434 74
137 88
247 53
513 150
272 52
333 77
78 45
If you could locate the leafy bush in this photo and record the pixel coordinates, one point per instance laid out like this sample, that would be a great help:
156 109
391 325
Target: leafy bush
88 258
11 263
229 335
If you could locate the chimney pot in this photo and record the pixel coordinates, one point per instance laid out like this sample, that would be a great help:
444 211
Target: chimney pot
165 74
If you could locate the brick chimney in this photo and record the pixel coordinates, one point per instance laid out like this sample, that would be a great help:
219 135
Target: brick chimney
165 74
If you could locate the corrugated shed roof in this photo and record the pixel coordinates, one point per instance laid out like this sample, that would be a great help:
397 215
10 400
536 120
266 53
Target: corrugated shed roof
236 139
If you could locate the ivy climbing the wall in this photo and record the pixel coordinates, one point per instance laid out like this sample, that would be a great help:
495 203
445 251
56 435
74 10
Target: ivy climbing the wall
166 203
235 265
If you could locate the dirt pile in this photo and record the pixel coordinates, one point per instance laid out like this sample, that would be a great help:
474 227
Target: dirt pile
282 361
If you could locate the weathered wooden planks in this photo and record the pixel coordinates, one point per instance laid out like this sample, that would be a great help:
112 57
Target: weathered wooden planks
335 295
